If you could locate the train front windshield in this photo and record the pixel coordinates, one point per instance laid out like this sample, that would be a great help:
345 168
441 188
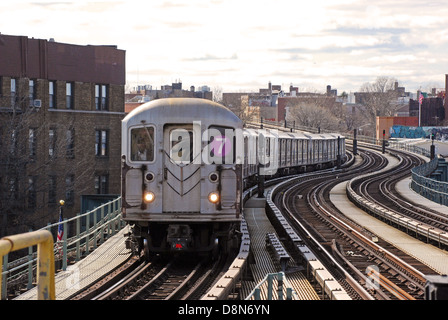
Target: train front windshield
142 144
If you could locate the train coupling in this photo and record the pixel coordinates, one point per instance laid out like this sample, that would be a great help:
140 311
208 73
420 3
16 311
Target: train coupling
179 236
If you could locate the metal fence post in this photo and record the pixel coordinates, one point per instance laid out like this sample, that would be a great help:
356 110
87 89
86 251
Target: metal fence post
257 295
78 236
4 278
64 246
288 293
270 279
280 286
87 232
114 223
94 228
102 225
45 270
30 268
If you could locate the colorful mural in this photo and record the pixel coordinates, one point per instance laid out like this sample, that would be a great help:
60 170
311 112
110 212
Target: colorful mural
440 133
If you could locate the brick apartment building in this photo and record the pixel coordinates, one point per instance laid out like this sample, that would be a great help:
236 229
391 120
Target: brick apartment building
61 107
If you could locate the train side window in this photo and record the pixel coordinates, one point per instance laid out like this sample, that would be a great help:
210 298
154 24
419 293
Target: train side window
246 150
222 145
268 147
142 144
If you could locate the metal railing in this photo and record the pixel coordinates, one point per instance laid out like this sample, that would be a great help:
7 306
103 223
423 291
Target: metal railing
410 148
45 256
276 287
89 230
427 187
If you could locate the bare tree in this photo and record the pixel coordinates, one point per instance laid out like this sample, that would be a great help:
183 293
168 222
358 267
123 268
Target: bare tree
217 94
317 111
238 103
379 98
310 115
37 166
353 119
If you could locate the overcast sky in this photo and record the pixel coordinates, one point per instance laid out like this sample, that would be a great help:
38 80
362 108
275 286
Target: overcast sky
241 45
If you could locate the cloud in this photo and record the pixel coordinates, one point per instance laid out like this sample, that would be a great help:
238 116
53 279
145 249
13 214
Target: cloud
359 31
234 42
212 57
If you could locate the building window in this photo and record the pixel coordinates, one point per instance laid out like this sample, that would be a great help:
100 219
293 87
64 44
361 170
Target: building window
101 97
101 143
13 93
70 143
52 189
102 184
31 93
69 95
32 143
69 189
13 142
31 192
51 99
13 193
52 143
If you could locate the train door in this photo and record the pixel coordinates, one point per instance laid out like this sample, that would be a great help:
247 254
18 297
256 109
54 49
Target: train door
181 168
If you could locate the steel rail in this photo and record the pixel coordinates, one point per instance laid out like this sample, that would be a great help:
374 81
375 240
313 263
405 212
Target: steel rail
315 200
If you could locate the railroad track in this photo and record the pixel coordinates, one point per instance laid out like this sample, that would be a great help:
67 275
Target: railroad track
382 269
176 279
307 204
167 283
380 189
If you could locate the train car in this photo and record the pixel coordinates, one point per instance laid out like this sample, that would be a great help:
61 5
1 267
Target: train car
181 175
185 164
250 156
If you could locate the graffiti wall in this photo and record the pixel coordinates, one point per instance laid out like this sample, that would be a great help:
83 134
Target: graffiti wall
440 133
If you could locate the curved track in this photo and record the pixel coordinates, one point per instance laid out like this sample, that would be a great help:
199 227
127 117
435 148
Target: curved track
307 203
383 270
380 189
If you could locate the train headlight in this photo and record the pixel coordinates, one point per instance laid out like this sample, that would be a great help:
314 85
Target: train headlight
149 197
213 197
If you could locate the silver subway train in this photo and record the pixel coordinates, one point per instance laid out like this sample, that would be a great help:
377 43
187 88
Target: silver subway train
185 164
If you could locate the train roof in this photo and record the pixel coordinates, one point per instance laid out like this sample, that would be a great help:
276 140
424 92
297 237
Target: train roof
182 110
331 135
